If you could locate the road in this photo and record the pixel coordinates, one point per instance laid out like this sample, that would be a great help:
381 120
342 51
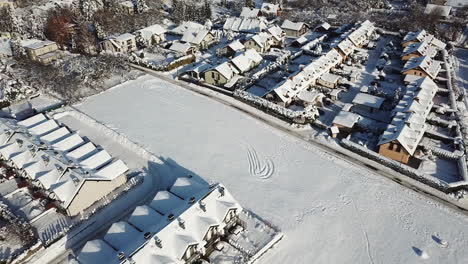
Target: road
341 153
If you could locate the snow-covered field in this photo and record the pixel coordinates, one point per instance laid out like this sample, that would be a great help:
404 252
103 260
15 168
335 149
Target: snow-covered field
329 210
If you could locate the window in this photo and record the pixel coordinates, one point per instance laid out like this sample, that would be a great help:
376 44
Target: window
398 149
213 75
390 146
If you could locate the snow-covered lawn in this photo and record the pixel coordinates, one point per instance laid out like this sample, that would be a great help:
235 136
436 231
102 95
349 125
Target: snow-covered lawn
330 211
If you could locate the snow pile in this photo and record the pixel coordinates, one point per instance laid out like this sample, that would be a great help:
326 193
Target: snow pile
306 116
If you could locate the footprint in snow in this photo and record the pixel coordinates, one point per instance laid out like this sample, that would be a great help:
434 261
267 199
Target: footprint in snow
442 243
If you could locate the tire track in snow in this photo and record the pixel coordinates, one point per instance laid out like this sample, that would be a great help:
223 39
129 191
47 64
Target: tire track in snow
257 168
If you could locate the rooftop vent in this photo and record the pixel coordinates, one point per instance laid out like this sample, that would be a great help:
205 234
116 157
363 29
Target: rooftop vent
170 217
121 255
147 235
192 200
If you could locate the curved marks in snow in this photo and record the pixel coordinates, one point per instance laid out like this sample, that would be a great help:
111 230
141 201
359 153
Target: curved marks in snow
262 169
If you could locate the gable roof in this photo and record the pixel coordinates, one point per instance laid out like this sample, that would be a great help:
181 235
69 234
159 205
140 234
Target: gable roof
269 8
368 100
429 66
195 36
346 119
296 26
148 32
246 60
225 70
248 12
236 45
423 48
97 252
180 47
250 25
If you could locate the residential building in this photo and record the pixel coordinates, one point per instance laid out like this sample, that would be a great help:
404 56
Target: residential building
220 74
345 48
66 167
324 27
422 66
329 80
277 36
419 49
294 29
183 48
360 36
422 35
200 38
270 10
403 135
232 48
43 51
124 43
345 122
181 225
152 35
246 61
127 7
367 102
245 25
259 42
198 71
313 97
249 12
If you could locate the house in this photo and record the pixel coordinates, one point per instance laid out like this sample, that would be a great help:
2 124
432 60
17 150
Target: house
418 49
245 25
367 102
232 48
152 35
259 42
5 48
324 27
422 66
329 80
440 10
123 43
181 225
277 36
270 10
220 74
345 48
127 7
200 38
335 94
299 42
345 122
313 97
249 12
294 29
183 48
65 167
360 36
197 71
43 51
422 35
246 61
187 26
402 136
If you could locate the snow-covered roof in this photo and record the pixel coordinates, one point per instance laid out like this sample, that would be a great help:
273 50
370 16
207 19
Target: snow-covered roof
225 69
97 252
236 45
40 149
39 44
368 100
195 36
310 96
261 39
423 35
408 124
150 31
251 25
246 60
422 48
304 78
124 37
187 25
324 25
329 77
276 32
429 66
360 35
346 46
296 26
248 12
269 8
443 11
82 151
180 47
346 119
189 228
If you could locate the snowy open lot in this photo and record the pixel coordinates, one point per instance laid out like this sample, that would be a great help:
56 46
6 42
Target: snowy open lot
329 210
